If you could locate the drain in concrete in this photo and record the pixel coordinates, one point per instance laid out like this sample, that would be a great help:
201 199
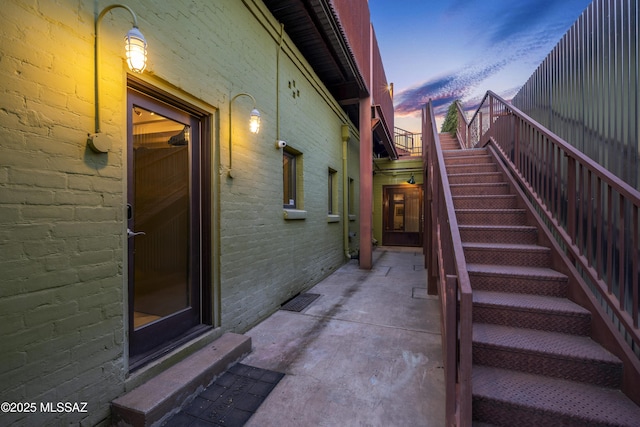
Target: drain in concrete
300 302
230 401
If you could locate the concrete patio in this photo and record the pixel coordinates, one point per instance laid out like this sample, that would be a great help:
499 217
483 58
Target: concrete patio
367 352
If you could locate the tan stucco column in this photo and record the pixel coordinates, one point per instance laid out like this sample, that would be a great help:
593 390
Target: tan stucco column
366 184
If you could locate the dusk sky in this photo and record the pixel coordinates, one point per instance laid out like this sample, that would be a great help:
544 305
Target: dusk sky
459 49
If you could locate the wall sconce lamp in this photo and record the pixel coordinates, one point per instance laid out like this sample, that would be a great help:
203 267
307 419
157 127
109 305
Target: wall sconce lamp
411 180
136 54
254 124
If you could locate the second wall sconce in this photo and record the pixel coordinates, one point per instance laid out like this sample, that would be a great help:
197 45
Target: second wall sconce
136 54
254 124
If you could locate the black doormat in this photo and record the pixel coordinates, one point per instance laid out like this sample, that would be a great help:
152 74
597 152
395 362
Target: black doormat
230 401
300 302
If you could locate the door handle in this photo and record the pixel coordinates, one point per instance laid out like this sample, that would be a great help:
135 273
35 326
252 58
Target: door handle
134 233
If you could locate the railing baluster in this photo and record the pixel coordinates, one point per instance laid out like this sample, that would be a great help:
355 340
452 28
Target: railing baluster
589 205
634 269
609 239
599 227
580 214
621 252
559 183
516 147
571 198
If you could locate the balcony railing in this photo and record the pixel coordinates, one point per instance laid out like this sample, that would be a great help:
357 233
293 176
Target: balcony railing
408 143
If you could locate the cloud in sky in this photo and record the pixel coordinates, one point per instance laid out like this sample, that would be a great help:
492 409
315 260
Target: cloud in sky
445 89
458 49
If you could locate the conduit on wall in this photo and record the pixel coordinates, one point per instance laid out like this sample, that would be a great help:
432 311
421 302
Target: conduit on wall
345 190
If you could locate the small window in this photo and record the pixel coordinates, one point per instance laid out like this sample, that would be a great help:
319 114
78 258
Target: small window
289 180
332 185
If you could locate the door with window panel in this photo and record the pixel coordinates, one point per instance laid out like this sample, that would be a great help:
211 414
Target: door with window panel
402 215
164 224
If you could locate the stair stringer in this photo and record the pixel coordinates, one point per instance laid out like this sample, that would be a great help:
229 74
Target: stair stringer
603 331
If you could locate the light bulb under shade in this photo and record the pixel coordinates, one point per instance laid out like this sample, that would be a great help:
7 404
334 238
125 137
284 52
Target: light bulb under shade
136 50
254 121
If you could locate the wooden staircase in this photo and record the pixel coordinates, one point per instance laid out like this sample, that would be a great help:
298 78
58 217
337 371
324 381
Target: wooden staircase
534 363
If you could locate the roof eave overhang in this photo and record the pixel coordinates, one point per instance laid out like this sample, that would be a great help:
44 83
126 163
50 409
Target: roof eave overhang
314 26
380 128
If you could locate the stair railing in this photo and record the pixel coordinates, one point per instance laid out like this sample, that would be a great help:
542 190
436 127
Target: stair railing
592 213
447 273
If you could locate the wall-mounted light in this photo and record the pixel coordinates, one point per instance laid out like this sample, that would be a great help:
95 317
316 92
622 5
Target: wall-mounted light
254 121
254 124
136 50
411 180
136 54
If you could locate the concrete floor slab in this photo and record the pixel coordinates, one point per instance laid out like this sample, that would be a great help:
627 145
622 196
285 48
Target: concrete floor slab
366 353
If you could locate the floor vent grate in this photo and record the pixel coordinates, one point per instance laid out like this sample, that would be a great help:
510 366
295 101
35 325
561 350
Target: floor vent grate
300 302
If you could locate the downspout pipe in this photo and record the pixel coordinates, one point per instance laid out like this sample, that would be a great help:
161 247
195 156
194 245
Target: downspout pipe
345 190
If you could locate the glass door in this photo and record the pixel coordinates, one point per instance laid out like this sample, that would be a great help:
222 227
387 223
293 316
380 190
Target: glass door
163 219
402 215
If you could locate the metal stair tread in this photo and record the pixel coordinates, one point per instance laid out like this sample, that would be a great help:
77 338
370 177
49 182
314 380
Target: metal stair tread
514 210
495 227
477 184
505 246
481 165
474 152
592 404
516 271
552 344
484 196
474 174
539 303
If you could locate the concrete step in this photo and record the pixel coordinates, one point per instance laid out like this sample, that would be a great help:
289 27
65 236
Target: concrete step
552 354
155 401
498 233
517 279
507 254
512 398
540 312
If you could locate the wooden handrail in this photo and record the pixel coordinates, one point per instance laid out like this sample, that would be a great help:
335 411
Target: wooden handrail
452 280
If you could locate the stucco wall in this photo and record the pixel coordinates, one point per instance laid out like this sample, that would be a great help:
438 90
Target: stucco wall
63 284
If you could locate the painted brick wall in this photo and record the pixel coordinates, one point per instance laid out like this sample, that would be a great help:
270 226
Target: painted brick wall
61 292
62 230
